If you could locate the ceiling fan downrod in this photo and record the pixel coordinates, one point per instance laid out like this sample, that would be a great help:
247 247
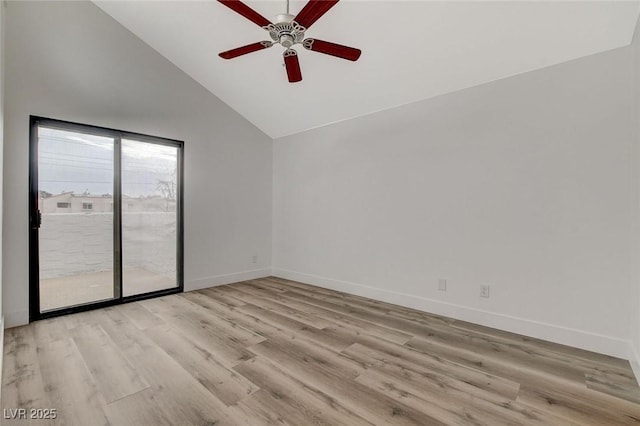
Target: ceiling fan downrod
285 30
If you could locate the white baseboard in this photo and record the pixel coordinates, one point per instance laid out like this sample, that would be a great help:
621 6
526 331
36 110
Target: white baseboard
554 333
15 319
226 279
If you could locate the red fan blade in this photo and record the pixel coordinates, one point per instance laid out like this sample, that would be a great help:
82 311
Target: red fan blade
313 10
244 10
344 52
233 53
292 65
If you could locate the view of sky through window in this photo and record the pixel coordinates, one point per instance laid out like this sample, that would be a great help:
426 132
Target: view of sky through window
83 164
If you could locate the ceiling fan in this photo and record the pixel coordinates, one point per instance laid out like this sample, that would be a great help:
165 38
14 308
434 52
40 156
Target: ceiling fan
288 30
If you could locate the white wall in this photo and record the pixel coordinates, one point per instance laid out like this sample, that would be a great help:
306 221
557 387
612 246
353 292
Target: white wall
2 62
524 184
635 234
71 61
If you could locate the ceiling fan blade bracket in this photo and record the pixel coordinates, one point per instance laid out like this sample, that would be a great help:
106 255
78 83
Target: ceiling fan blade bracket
300 28
289 52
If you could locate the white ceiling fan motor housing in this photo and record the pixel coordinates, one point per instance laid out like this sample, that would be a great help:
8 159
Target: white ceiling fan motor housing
285 30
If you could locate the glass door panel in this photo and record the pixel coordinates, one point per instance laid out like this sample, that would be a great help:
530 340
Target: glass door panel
75 200
149 179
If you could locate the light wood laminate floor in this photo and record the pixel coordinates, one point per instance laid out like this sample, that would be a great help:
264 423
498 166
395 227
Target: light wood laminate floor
272 351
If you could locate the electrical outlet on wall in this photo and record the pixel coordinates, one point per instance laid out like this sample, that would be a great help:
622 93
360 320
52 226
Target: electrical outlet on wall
484 291
254 259
442 284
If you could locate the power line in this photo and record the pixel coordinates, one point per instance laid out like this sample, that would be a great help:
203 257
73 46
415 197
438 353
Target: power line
96 181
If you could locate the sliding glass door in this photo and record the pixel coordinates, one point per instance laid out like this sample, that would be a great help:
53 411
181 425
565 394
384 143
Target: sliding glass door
149 217
105 216
75 200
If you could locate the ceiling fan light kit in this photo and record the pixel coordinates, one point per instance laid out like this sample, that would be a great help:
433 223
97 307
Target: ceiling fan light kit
289 30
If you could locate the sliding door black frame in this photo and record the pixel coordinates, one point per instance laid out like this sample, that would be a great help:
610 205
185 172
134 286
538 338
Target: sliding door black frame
35 216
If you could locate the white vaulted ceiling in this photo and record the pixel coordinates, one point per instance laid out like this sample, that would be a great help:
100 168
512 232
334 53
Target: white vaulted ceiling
412 50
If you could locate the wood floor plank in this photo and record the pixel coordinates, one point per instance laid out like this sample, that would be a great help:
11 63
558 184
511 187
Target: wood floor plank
126 411
269 324
228 386
619 385
334 342
481 402
139 316
199 329
179 398
477 383
256 298
220 293
451 406
262 410
338 319
291 399
365 402
589 362
230 314
50 330
264 282
307 353
354 300
113 375
341 307
22 375
69 385
584 406
280 309
513 354
594 360
520 373
240 336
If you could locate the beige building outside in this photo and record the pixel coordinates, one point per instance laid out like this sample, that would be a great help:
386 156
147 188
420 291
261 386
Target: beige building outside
68 202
